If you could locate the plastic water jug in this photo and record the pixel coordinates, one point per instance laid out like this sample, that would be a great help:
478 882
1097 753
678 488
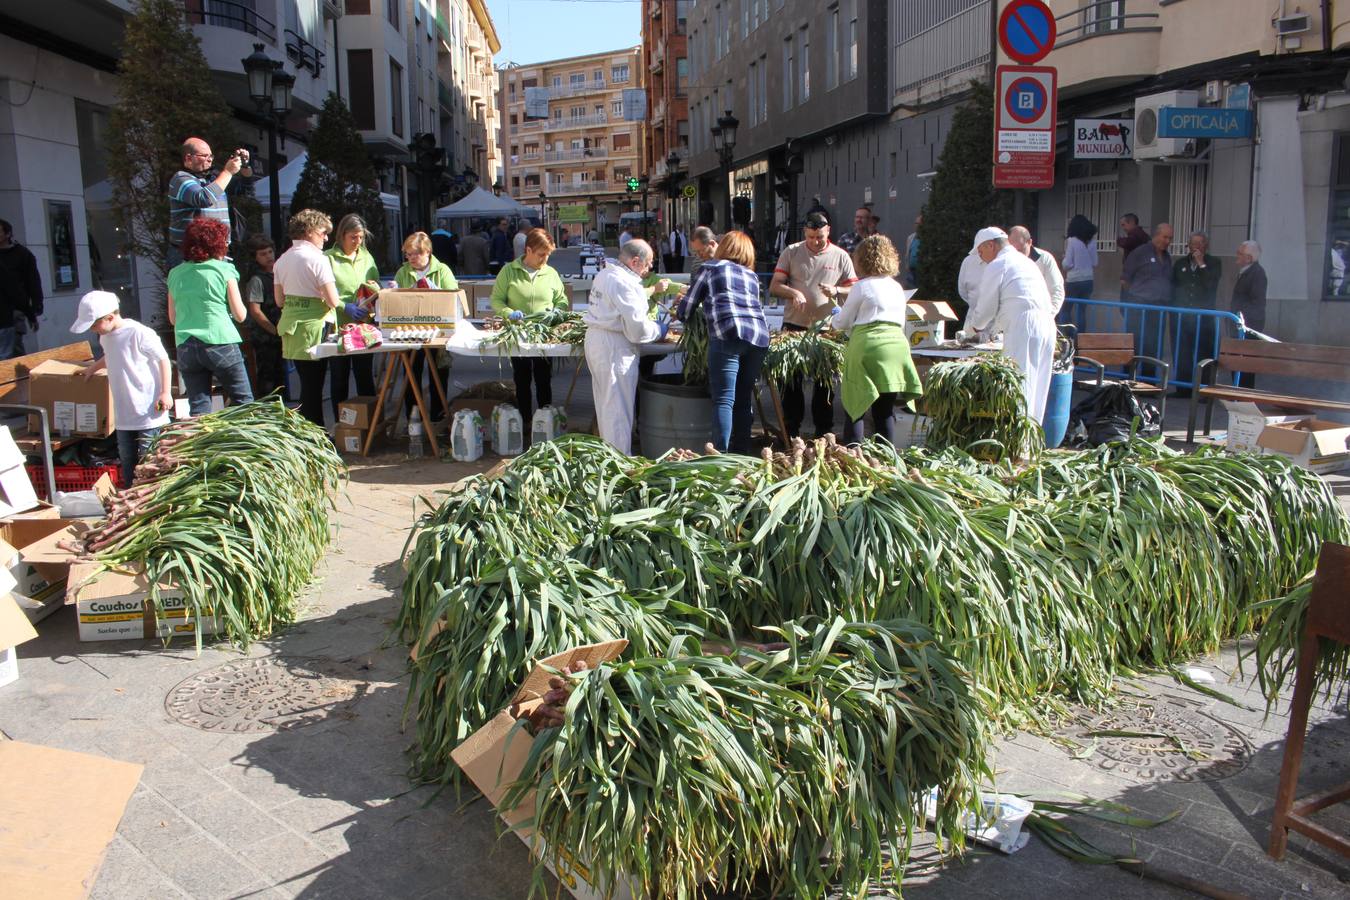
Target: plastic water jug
415 434
508 431
548 423
466 436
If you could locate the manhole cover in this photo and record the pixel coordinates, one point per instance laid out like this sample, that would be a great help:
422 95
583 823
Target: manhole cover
1161 739
261 695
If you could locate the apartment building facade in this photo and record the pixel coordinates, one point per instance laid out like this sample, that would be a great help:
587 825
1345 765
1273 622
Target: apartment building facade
413 67
665 55
571 150
58 63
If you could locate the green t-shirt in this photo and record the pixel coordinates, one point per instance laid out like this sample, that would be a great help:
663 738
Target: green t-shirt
201 305
349 274
438 274
516 288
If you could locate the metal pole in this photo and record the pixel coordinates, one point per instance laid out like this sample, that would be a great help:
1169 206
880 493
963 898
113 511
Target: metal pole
273 183
726 184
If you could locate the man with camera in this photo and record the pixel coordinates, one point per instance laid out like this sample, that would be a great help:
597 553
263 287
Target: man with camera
192 193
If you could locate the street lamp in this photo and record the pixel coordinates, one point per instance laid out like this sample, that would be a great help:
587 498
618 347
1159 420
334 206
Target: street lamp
270 87
498 186
724 141
543 211
470 178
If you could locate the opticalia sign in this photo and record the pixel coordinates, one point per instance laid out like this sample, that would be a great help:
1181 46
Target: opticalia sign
1204 122
1103 138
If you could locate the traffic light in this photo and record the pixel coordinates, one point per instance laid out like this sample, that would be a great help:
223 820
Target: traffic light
634 184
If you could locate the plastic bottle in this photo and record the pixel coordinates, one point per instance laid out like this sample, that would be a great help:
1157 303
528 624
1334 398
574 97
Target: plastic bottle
415 433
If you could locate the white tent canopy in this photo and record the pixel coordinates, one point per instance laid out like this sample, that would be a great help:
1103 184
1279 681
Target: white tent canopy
288 179
479 203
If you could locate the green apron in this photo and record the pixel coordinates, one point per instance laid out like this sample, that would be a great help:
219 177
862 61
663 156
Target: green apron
877 362
301 326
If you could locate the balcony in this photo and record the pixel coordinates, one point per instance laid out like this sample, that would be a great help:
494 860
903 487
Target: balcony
584 155
659 113
657 63
1103 44
529 125
558 92
529 155
229 14
659 168
303 54
562 124
656 8
445 95
939 60
442 28
581 187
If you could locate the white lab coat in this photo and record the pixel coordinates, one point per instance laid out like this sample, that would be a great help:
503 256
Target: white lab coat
616 321
1014 299
1054 278
968 279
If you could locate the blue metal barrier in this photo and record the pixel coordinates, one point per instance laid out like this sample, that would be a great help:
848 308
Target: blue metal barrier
1178 335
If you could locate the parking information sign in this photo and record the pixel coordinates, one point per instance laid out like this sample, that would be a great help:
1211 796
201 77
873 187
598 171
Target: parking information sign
1024 129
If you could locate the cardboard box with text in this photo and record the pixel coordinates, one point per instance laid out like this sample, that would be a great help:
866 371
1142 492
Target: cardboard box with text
74 404
356 412
116 606
409 306
1310 443
926 322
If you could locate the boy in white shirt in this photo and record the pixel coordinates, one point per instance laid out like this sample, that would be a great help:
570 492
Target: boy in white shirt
138 375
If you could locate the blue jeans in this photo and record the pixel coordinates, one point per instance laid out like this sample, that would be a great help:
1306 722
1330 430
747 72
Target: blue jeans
199 362
131 448
733 369
9 342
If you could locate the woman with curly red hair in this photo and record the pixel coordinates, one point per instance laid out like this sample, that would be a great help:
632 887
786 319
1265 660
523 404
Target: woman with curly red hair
203 298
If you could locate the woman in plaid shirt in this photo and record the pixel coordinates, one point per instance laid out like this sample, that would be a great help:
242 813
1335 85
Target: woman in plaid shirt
738 336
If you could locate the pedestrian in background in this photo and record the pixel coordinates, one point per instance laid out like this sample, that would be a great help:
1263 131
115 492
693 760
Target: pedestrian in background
501 247
203 298
1080 258
1249 295
1195 285
20 291
1020 237
475 254
269 369
738 337
1147 278
444 244
193 195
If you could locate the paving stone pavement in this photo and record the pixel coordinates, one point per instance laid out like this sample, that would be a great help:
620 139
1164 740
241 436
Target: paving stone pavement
325 810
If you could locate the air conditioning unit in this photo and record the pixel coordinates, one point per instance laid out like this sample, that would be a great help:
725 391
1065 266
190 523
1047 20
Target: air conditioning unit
1147 110
1288 26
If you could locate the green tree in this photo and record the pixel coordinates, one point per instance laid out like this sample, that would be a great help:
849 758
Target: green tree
164 96
963 198
339 179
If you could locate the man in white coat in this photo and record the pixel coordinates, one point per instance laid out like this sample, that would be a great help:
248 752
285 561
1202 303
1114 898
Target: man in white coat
969 277
616 322
1013 299
1020 238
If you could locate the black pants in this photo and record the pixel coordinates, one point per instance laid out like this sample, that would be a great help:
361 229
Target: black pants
339 382
435 408
883 420
536 370
794 402
312 373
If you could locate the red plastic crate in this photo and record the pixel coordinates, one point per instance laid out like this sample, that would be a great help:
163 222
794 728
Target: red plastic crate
72 478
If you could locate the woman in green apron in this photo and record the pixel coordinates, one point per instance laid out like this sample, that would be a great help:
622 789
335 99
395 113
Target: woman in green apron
423 270
878 370
353 266
307 294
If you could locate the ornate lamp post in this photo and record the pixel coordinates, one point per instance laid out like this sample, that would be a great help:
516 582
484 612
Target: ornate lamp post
270 87
724 141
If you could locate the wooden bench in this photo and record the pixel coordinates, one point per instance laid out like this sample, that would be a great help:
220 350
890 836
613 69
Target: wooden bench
1268 358
1100 350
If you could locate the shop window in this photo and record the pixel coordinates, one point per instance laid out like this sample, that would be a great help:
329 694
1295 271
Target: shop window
1335 284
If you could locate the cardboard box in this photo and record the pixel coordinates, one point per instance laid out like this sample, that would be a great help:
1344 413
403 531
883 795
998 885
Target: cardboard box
1246 421
60 811
479 297
37 566
494 755
14 630
1310 443
409 306
116 606
356 412
349 439
926 322
16 491
74 404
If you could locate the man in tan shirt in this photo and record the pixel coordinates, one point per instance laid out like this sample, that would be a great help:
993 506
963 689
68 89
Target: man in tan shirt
812 278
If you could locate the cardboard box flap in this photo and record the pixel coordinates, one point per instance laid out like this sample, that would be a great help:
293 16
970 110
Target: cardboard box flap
493 757
931 311
10 454
1328 438
1242 408
536 683
14 625
56 367
104 489
45 550
90 581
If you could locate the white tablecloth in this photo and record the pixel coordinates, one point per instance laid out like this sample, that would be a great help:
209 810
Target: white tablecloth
468 341
327 350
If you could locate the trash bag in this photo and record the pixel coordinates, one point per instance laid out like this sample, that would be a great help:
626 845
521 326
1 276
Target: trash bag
1111 413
